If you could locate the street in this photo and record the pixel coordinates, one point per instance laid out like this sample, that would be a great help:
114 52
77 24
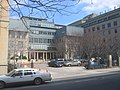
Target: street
104 82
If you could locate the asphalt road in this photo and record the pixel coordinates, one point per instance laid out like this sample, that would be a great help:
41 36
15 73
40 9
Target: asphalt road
106 82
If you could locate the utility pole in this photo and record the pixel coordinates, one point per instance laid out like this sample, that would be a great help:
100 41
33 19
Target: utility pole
4 17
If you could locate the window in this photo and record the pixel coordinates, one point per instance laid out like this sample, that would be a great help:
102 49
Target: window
45 40
35 40
24 35
49 33
115 30
20 44
40 32
103 26
44 32
105 18
109 25
13 34
37 32
49 40
19 34
40 40
98 28
89 30
109 32
31 40
28 72
18 73
115 23
53 33
93 28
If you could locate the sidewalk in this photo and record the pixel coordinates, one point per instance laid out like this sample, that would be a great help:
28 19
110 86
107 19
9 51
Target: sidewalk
84 73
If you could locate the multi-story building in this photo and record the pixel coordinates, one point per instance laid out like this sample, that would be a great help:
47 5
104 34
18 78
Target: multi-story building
101 34
18 40
41 34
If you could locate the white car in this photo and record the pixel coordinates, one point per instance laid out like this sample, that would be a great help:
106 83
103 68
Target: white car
25 75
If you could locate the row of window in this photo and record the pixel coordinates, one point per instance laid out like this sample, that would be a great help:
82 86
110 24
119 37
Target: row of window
43 32
116 15
18 34
103 26
40 40
16 44
42 24
110 31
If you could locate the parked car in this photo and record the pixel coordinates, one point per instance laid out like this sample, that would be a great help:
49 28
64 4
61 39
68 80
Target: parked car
25 75
72 63
95 65
84 62
55 63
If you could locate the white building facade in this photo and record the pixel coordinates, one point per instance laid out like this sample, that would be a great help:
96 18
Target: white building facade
41 34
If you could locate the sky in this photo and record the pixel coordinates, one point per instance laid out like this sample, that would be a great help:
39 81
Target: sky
85 7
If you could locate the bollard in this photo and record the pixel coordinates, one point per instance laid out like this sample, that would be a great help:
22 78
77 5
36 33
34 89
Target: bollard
110 61
119 61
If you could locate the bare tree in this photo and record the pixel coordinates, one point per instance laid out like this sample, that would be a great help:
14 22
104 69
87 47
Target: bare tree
18 44
98 45
59 44
69 46
94 45
46 8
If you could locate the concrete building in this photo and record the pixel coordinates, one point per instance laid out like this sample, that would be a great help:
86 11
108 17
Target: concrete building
68 42
101 34
18 41
4 13
41 34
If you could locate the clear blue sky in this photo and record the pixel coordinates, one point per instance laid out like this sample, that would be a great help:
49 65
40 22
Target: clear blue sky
85 7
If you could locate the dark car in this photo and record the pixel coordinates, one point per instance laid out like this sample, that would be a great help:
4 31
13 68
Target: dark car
72 63
55 63
95 65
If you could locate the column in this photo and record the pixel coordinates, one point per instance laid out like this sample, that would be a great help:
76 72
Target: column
53 55
29 55
37 55
50 55
43 57
34 55
46 56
